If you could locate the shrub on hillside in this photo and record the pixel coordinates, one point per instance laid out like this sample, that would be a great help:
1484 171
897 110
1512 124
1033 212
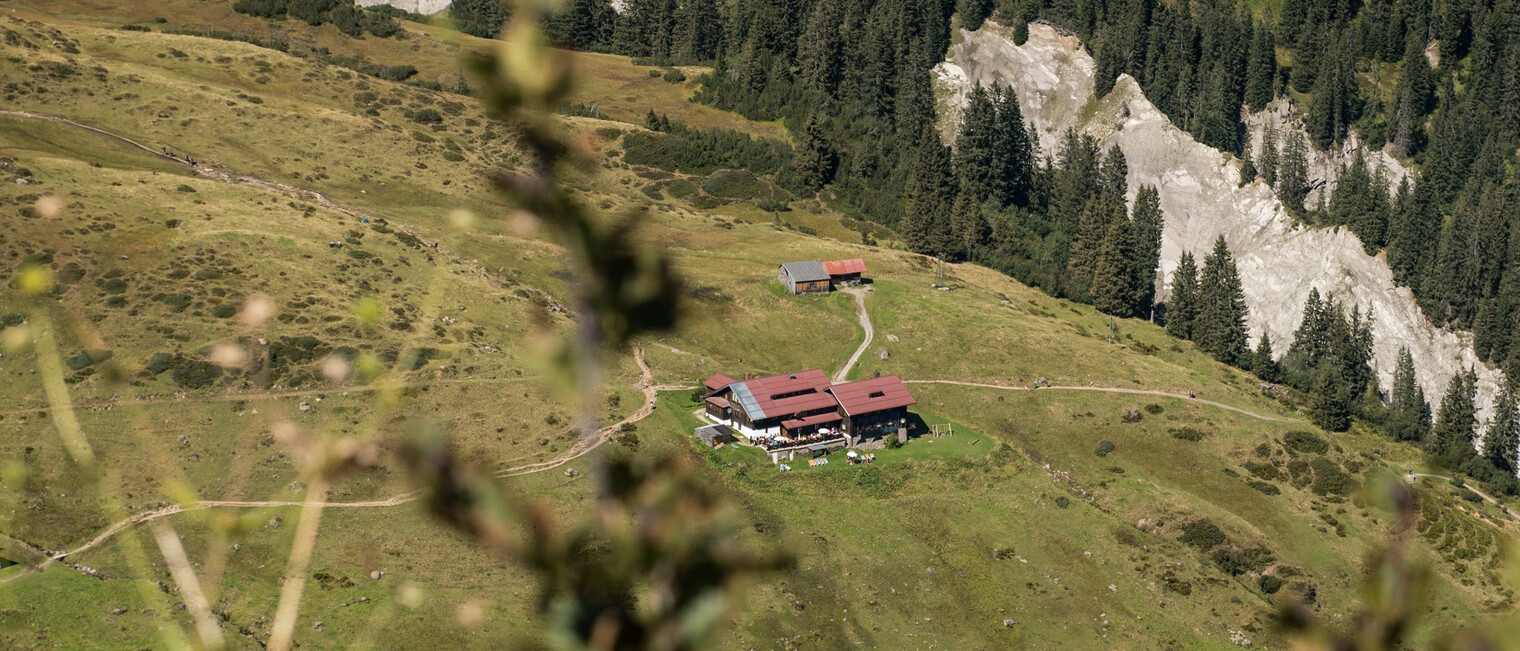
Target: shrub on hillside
1299 441
1202 535
1186 434
1329 479
1269 584
1104 447
675 76
196 375
426 116
1264 487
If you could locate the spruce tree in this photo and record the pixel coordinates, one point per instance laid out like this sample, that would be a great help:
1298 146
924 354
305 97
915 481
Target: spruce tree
1015 157
1412 98
1501 442
976 146
482 18
1182 305
973 13
1247 166
1114 175
1263 364
971 230
926 227
1220 327
1268 165
815 159
1456 422
1148 224
1293 175
1408 413
1329 406
1112 285
1261 68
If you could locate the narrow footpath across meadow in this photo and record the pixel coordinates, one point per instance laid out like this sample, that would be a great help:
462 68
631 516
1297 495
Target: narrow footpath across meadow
859 293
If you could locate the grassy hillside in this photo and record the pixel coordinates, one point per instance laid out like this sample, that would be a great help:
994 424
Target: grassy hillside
1013 532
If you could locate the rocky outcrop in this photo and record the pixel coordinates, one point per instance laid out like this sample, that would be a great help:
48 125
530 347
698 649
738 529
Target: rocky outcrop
424 7
1202 199
1324 166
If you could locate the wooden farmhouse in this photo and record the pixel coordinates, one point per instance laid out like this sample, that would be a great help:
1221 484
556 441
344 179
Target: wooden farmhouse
804 411
806 277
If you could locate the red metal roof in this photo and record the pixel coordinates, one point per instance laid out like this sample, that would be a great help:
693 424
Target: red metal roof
811 387
842 267
875 394
816 419
718 402
718 381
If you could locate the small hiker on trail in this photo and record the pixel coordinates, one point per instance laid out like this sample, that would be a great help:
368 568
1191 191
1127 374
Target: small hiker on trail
1190 393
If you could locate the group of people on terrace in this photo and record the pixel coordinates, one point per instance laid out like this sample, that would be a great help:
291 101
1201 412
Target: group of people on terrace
820 436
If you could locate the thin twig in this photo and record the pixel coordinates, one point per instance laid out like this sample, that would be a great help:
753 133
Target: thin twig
295 569
59 405
189 586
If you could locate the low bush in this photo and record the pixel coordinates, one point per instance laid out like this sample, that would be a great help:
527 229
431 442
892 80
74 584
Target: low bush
1329 479
1186 434
1202 535
1305 442
1104 447
1269 584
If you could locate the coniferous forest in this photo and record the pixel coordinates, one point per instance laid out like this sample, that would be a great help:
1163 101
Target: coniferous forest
1437 85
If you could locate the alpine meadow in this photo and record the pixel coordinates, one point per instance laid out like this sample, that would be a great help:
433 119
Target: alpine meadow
759 324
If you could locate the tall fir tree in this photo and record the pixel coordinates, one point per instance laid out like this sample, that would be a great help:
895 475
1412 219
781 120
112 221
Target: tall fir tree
1247 164
1501 441
1113 280
1293 174
1267 166
969 225
1015 156
976 147
931 194
1149 222
1263 362
1220 328
1456 423
1261 68
1408 412
814 159
1182 305
1329 406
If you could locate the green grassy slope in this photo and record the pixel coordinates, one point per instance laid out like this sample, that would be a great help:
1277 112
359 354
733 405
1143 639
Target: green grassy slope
1013 518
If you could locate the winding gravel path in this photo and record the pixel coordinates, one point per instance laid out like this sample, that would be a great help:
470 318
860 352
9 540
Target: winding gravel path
1145 392
865 324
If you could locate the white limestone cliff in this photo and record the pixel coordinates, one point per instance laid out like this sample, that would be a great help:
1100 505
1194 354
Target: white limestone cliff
1202 199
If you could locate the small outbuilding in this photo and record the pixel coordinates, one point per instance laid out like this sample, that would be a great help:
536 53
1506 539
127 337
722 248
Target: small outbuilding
715 435
845 272
806 277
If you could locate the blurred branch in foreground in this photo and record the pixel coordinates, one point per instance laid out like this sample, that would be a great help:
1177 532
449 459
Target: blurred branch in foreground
658 564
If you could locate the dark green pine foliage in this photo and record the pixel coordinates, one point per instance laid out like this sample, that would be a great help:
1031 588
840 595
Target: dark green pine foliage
973 13
1456 425
1412 97
1261 68
1329 404
1408 412
1263 362
1267 167
1113 284
968 225
1293 174
815 159
1360 201
1501 441
1148 225
926 226
1182 305
1014 152
1220 327
698 31
583 25
1337 103
976 147
482 18
1247 165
